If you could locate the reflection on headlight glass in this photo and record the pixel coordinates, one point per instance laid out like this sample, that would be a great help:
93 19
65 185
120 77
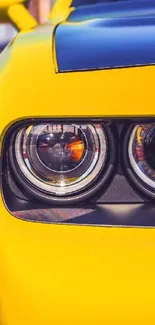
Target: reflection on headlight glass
142 152
61 158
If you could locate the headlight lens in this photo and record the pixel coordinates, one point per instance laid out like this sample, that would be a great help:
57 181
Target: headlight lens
61 159
141 152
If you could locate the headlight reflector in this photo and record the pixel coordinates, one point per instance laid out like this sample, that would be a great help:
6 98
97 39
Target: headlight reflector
61 159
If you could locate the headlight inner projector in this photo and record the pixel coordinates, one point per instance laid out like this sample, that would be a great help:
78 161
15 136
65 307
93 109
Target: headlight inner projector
61 162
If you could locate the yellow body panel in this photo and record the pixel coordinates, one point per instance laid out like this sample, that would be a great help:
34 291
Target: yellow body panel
53 274
56 274
28 68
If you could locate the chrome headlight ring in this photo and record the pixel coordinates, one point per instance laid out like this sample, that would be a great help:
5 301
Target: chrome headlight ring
61 163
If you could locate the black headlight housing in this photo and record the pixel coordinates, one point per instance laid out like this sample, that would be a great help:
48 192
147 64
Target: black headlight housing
80 171
61 162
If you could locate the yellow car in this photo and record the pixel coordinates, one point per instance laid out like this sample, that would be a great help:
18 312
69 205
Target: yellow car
77 126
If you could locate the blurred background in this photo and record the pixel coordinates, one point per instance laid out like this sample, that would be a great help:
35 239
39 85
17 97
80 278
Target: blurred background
38 8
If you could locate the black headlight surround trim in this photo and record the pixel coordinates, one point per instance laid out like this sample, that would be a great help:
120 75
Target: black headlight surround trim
37 195
133 178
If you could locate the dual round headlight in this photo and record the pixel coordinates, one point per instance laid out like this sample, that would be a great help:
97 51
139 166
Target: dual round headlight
62 162
69 162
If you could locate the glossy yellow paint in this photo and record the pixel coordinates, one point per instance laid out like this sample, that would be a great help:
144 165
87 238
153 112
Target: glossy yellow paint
52 274
30 69
55 274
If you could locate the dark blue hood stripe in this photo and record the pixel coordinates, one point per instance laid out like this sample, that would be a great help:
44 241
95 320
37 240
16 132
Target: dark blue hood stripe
102 43
116 9
79 3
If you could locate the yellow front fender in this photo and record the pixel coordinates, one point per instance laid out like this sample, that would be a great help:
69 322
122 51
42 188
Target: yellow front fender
61 274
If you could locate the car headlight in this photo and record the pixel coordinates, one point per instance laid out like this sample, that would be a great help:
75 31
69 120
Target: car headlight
141 153
56 161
